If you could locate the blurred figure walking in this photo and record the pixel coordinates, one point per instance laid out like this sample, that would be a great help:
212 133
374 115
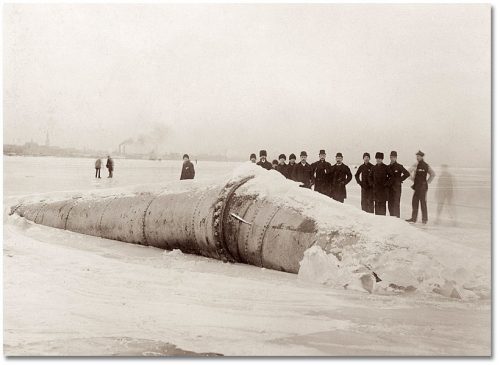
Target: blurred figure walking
380 179
444 194
187 172
399 174
98 164
419 173
110 165
362 178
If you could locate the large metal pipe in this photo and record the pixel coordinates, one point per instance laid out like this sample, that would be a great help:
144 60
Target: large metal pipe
224 222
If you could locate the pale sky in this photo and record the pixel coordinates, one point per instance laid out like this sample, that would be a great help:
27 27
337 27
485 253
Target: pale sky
234 79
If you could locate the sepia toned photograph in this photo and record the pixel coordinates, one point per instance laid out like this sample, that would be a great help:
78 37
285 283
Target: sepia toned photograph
247 179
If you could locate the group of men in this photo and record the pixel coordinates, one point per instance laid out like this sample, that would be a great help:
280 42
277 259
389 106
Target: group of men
110 165
380 183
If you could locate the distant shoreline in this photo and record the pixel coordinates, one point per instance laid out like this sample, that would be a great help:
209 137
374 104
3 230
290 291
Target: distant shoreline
437 165
120 158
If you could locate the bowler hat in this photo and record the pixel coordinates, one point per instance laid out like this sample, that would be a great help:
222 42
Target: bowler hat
263 153
303 153
339 154
366 154
185 155
292 156
420 153
394 154
275 162
252 156
322 152
379 155
282 156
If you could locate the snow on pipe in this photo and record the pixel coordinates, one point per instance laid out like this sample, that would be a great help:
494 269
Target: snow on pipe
220 222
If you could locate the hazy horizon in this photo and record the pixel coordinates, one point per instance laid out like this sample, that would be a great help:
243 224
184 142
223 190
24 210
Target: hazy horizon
233 79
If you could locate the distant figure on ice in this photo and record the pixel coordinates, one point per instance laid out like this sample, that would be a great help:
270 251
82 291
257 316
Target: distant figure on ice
302 172
362 178
341 176
187 172
282 166
398 175
110 165
444 193
263 160
274 164
291 164
98 163
419 173
253 158
380 179
321 180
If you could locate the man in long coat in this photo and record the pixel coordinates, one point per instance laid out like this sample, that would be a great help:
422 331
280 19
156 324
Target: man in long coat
341 176
380 179
321 169
398 175
362 178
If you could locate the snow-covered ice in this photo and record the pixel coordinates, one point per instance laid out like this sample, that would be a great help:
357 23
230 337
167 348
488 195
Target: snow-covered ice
65 291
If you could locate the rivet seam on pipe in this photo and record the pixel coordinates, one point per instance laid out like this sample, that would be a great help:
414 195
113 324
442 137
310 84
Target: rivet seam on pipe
75 203
217 219
263 233
104 211
144 222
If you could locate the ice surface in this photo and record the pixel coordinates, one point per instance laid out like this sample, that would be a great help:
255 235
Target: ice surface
64 290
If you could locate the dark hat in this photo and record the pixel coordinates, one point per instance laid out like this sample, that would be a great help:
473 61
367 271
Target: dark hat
394 154
366 154
339 154
282 156
275 162
322 152
420 153
303 153
379 155
292 156
252 156
185 155
263 153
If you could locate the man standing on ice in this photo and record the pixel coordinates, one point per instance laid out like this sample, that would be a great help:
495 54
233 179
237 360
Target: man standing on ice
263 160
253 158
321 180
290 166
302 172
421 182
341 176
399 174
98 163
380 179
282 166
110 165
187 172
362 178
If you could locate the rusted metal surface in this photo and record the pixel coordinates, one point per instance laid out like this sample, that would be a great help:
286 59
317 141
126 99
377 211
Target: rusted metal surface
221 222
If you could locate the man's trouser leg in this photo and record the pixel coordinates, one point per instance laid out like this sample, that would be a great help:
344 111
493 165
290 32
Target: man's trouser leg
414 205
390 202
366 200
380 208
395 201
423 204
96 171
